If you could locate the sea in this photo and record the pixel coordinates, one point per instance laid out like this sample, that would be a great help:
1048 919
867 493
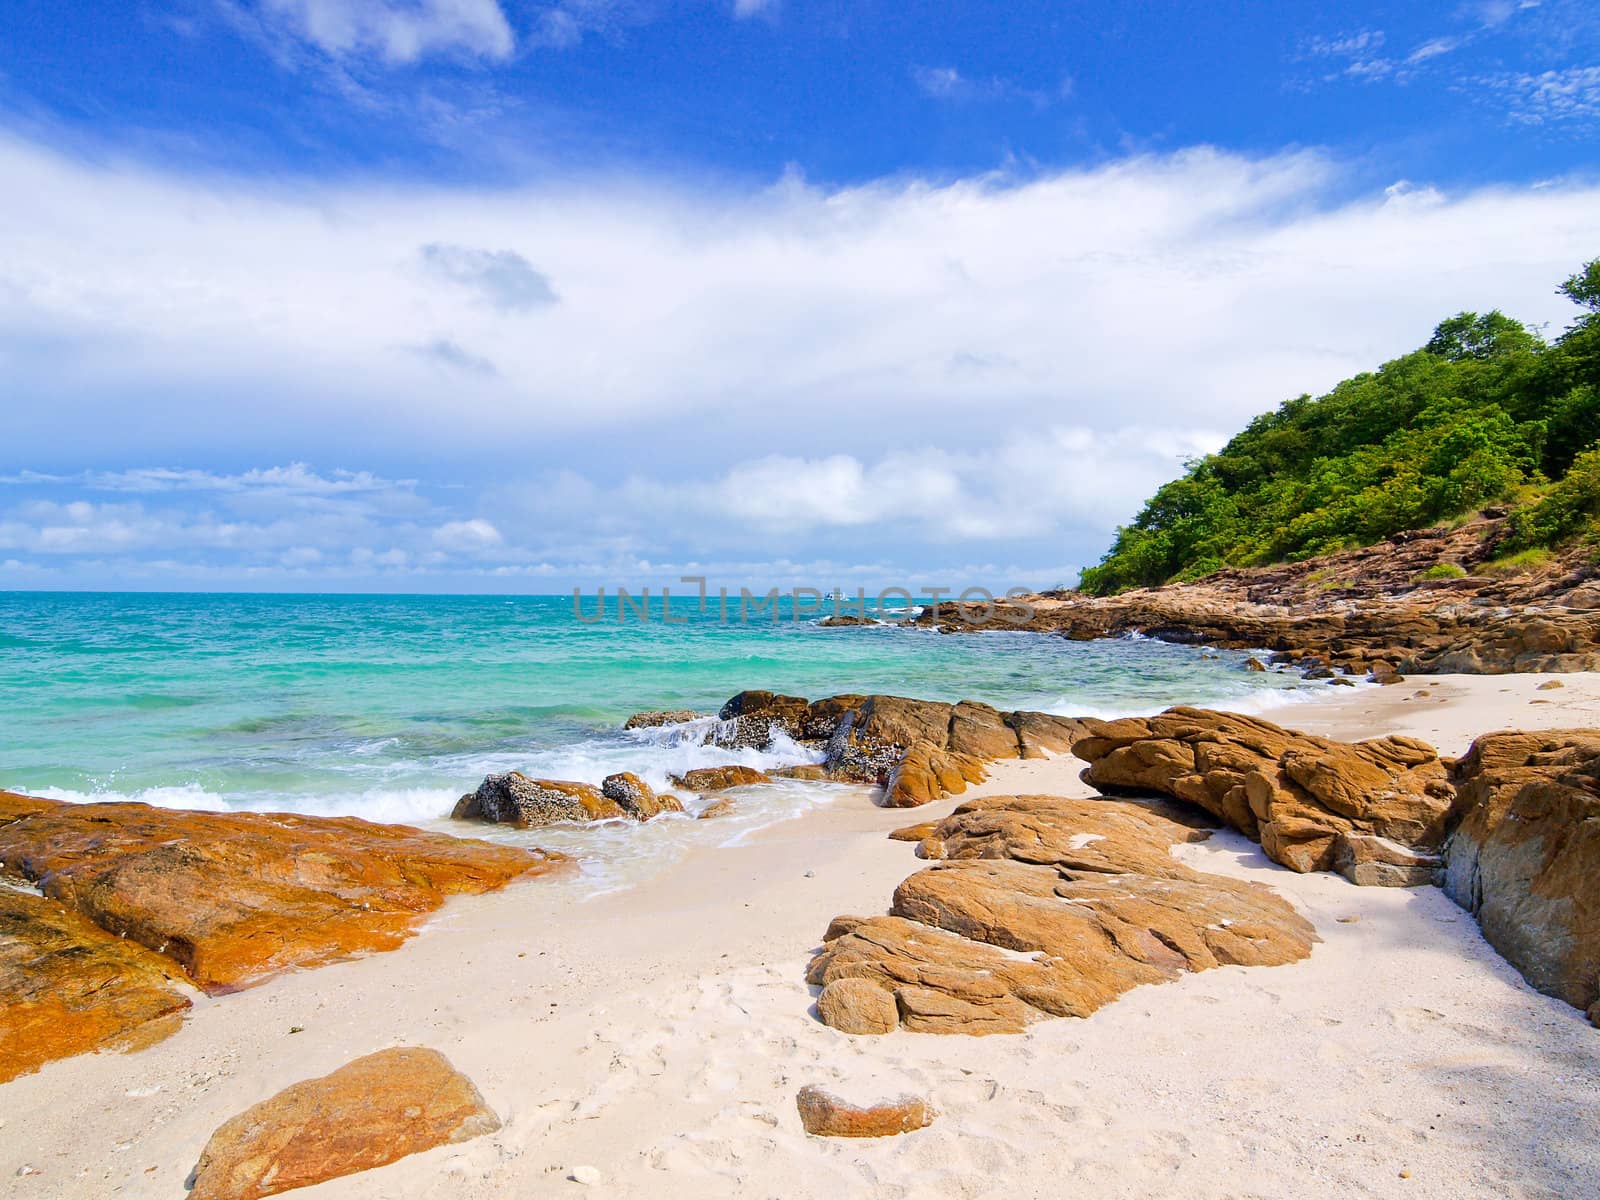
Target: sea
391 707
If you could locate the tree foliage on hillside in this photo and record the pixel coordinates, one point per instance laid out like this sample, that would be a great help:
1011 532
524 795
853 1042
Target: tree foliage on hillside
1486 412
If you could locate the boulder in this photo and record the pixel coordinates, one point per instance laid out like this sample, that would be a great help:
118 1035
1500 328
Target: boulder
1296 794
637 798
720 779
808 772
825 1115
725 807
369 1112
925 773
913 833
750 718
233 897
512 798
1039 735
980 732
1052 907
68 987
1524 855
857 1006
655 718
823 716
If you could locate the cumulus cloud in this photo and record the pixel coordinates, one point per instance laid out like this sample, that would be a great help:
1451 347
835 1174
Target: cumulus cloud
398 31
905 371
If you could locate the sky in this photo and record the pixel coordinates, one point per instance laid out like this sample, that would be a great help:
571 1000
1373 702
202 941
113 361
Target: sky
528 295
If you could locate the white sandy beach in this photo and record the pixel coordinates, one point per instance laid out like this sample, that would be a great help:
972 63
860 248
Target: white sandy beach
659 1034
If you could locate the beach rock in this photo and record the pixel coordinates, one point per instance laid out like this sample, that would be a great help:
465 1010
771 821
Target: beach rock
1371 861
1550 685
68 987
1088 889
980 732
1524 855
751 717
840 622
825 1115
656 718
1254 664
719 779
857 1006
1296 794
1039 735
514 799
913 833
808 772
718 808
637 798
926 773
372 1111
233 897
870 740
823 716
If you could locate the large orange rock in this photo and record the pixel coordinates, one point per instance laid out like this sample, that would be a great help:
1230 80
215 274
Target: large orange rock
513 798
926 773
1524 856
720 779
636 797
235 897
1040 735
68 987
367 1113
981 732
1298 795
1087 889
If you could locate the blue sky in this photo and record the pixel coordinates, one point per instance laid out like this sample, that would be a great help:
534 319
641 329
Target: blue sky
516 295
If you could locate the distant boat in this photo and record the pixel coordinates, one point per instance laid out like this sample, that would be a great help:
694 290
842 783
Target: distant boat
834 596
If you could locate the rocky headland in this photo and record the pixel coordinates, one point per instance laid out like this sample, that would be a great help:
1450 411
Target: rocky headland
1427 601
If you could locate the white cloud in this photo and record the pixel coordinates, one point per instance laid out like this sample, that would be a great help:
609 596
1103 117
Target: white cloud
399 31
754 8
1566 97
940 82
864 375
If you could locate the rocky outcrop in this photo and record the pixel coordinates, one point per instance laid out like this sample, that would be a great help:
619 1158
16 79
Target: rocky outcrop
223 900
1374 610
512 798
68 987
857 1006
825 1115
1051 907
1377 809
637 798
657 717
369 1112
925 773
750 719
1524 857
720 779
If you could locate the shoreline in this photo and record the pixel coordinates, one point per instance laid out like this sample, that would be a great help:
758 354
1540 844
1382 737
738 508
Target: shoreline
659 1032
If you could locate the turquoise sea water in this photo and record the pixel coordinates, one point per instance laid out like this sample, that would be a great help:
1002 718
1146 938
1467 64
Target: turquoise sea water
390 707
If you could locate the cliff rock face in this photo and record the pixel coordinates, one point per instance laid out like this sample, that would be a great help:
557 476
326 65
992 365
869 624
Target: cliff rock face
1524 857
369 1112
132 896
1087 889
1375 808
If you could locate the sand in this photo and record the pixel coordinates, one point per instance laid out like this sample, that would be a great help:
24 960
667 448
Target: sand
654 1038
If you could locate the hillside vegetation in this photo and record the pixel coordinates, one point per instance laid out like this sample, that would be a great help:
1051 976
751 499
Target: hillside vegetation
1486 413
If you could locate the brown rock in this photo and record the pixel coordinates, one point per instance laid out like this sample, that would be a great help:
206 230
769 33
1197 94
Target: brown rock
981 732
719 808
1550 685
926 773
823 716
1294 793
719 779
513 798
637 798
1524 856
655 718
68 987
1040 735
1254 664
753 715
372 1111
1088 889
809 772
857 1006
825 1115
913 833
234 897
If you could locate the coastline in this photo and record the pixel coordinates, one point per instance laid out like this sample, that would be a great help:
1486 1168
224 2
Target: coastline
659 1033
